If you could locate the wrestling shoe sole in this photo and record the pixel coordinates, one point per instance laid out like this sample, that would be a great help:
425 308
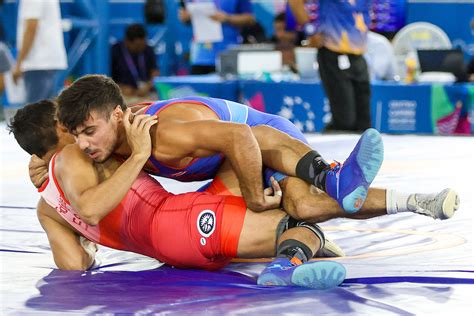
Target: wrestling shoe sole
330 250
450 204
369 158
370 155
271 280
319 275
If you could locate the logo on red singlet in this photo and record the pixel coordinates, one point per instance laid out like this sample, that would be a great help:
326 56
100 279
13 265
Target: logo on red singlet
206 223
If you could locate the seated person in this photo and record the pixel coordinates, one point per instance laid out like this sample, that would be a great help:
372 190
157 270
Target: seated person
253 34
134 64
283 36
285 40
118 205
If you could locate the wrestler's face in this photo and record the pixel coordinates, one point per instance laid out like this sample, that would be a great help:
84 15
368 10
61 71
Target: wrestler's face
98 136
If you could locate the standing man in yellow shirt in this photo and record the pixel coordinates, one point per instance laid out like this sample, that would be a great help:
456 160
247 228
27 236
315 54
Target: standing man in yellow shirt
339 30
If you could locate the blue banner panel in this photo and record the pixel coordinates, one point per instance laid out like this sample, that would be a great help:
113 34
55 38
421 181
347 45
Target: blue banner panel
401 108
303 103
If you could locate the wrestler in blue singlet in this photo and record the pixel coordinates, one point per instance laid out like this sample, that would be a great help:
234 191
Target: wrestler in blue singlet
206 168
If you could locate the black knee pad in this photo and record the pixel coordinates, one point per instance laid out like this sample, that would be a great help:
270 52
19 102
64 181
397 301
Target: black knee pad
288 222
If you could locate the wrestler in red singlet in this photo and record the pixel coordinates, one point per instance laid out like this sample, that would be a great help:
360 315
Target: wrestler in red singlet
192 230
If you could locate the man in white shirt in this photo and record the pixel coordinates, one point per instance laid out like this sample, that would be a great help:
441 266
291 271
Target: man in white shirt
41 51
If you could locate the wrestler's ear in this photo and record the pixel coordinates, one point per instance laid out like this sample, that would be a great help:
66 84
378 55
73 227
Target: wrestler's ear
61 128
117 113
64 136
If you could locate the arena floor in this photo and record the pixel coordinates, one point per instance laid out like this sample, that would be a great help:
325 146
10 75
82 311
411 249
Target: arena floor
401 264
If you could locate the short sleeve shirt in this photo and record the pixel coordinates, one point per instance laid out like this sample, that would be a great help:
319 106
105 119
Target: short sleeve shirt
48 51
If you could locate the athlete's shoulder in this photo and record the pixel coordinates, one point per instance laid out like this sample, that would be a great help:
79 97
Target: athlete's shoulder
140 108
71 151
71 155
168 132
179 112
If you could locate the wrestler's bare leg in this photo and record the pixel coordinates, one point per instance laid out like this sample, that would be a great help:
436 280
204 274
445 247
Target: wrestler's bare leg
258 236
304 202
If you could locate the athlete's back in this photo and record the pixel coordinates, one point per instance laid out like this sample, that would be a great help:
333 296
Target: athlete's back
127 227
205 168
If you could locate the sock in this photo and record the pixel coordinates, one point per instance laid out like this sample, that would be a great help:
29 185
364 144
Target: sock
312 168
294 250
397 202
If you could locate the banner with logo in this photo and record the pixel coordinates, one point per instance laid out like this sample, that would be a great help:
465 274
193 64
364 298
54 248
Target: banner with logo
304 104
401 108
396 108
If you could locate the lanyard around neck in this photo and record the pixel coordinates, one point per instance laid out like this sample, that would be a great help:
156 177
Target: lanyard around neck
131 65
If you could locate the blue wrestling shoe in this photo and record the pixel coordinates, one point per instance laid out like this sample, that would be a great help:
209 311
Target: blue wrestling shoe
317 274
348 183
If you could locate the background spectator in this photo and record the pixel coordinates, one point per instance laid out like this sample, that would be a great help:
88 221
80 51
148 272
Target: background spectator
339 30
283 36
232 14
285 40
253 34
41 51
134 64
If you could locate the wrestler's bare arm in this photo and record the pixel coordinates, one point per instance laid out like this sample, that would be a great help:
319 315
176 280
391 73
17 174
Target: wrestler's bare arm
179 139
68 252
92 198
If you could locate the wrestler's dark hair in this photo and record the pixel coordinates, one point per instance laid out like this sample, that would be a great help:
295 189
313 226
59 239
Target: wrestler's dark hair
34 127
86 94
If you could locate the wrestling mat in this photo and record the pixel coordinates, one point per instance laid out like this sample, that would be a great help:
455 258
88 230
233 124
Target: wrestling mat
401 264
